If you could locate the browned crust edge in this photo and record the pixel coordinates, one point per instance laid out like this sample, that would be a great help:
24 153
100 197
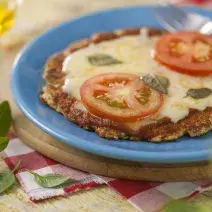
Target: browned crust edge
195 124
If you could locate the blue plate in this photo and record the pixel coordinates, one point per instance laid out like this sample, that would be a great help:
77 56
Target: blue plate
27 81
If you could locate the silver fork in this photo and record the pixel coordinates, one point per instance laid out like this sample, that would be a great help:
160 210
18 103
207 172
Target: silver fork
173 18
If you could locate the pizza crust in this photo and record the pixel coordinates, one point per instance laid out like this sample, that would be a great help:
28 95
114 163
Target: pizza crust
195 124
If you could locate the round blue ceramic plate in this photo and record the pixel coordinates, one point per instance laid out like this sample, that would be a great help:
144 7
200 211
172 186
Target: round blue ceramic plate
27 81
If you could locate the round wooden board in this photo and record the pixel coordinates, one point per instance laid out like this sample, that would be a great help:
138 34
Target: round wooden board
78 159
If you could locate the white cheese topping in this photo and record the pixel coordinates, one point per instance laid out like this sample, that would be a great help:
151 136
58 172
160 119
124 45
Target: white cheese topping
136 54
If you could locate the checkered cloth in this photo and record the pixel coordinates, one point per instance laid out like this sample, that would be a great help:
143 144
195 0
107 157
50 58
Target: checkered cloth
203 3
145 196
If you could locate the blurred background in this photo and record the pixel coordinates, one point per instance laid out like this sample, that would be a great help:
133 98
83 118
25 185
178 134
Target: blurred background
30 17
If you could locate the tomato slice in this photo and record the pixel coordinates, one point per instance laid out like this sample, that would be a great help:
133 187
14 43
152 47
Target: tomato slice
120 96
186 52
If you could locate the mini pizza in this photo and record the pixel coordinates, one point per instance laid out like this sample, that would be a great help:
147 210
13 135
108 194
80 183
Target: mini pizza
136 84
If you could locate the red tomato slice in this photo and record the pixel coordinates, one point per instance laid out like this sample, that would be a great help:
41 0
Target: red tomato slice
120 96
186 52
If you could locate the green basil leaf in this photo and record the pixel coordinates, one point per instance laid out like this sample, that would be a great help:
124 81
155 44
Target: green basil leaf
5 118
3 143
180 205
7 179
157 82
199 93
50 180
102 60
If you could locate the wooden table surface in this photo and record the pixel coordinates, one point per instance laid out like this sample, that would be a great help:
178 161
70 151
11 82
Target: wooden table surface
35 14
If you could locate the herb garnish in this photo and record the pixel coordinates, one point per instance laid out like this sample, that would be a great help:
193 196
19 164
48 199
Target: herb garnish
199 93
103 60
51 180
157 82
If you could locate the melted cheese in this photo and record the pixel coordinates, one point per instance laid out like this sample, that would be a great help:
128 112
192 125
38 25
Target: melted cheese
136 54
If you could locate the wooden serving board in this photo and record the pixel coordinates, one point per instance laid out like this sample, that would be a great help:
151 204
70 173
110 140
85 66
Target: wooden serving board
75 158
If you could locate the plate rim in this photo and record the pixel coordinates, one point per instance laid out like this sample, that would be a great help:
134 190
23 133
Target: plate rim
104 150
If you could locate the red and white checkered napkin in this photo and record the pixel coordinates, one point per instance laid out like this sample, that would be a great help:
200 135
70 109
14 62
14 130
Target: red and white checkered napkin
203 3
145 196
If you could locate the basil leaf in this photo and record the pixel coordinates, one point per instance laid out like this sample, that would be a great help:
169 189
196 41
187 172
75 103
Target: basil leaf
157 82
180 205
199 93
50 180
102 60
7 179
5 118
3 143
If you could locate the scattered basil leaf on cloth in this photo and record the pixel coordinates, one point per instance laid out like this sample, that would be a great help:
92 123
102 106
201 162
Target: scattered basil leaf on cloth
7 178
199 93
181 206
102 60
157 82
50 180
3 143
5 118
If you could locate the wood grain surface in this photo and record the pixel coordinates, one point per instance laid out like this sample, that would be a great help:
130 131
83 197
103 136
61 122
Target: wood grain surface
101 199
78 159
